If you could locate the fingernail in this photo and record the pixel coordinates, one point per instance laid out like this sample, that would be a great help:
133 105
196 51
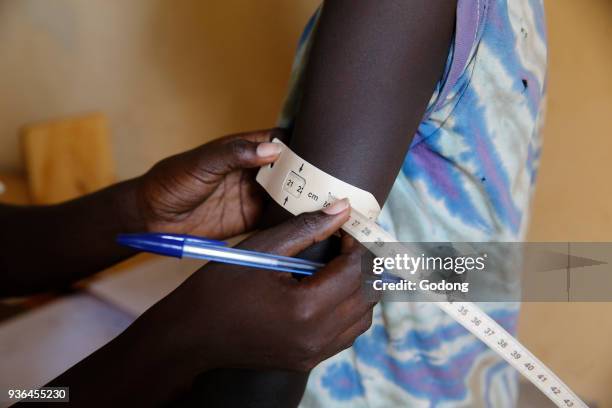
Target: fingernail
337 207
267 149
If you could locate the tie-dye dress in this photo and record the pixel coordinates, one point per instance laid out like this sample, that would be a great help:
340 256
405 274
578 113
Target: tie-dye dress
468 176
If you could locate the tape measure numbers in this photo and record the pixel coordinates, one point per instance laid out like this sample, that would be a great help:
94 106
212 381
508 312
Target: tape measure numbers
300 187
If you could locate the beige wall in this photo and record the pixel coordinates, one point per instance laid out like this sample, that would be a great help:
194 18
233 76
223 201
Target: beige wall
169 74
172 74
573 201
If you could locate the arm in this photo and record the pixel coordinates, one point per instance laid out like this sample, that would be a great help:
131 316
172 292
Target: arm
225 315
48 247
208 191
371 73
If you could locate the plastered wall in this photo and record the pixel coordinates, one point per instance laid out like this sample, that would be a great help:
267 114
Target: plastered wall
573 201
169 74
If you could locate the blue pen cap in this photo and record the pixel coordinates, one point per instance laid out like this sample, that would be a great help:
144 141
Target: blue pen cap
152 243
162 244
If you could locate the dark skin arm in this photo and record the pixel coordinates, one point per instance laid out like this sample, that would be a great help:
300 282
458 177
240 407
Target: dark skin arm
371 73
229 316
223 315
372 70
208 191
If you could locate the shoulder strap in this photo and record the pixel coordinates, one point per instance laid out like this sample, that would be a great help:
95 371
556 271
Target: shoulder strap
470 20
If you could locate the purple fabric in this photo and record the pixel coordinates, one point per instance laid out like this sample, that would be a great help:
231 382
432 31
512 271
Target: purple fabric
470 18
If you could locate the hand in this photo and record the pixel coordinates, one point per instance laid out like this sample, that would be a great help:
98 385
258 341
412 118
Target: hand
229 316
208 191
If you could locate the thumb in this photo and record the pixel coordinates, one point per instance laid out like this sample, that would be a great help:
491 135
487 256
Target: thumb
301 232
226 156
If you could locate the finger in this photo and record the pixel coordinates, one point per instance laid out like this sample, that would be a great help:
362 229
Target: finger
340 278
346 339
340 300
301 232
241 151
347 243
223 158
350 310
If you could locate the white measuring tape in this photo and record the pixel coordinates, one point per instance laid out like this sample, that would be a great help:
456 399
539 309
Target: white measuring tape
300 187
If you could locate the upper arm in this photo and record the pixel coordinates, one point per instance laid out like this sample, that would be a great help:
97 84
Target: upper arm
371 71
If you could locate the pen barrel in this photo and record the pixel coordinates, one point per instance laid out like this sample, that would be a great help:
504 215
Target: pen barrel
250 258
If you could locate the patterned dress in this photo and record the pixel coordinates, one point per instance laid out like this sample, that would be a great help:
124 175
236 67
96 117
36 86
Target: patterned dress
468 176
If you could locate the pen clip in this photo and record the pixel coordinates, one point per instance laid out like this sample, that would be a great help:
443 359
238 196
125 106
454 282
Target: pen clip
187 238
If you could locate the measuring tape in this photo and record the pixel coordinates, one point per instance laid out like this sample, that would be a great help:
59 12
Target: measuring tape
300 187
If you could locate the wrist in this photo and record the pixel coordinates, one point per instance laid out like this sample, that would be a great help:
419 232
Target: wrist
173 338
157 348
130 207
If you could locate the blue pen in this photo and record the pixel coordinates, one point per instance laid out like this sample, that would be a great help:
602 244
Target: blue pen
187 246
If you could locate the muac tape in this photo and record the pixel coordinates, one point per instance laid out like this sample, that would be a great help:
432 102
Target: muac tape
300 187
